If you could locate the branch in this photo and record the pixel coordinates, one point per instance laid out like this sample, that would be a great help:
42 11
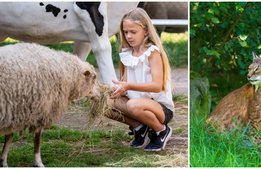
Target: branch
235 23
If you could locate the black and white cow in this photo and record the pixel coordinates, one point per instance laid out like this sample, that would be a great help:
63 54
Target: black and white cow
89 24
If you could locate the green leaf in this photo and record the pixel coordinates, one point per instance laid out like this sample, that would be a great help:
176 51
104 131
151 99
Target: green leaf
215 20
243 37
243 44
239 8
213 53
211 11
192 32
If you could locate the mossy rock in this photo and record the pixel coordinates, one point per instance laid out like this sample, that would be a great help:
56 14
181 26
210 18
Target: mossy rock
200 98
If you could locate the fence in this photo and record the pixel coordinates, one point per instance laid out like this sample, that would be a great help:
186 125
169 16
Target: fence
170 22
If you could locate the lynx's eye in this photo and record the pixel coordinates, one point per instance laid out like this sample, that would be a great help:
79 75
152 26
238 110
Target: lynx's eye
255 69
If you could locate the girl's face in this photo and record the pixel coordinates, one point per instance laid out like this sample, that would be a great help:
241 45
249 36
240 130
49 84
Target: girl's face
133 33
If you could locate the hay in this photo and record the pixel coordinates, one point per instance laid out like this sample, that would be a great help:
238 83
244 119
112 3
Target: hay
101 107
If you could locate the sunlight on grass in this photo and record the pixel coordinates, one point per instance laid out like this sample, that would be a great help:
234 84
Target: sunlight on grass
10 40
174 37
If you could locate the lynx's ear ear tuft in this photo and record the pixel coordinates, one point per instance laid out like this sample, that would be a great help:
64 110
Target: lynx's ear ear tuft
255 55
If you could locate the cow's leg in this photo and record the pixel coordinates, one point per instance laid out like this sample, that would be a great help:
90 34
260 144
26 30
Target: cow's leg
37 154
6 147
103 53
82 49
97 30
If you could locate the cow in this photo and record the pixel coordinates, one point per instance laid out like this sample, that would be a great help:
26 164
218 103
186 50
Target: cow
167 10
88 24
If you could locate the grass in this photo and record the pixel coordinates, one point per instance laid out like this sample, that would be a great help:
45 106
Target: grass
208 148
180 98
176 46
65 147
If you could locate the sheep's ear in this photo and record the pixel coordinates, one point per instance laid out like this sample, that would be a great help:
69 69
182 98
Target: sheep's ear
87 73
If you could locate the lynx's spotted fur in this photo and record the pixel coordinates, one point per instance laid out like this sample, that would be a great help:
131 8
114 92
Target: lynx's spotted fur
242 105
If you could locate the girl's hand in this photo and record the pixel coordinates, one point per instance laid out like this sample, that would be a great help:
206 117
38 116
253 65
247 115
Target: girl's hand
121 88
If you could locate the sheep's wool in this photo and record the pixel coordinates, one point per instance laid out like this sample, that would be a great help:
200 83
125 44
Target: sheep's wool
36 84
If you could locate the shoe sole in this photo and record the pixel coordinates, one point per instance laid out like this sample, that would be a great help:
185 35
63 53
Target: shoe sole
164 144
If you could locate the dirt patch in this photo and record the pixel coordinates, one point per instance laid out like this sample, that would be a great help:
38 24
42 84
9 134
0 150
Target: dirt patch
179 79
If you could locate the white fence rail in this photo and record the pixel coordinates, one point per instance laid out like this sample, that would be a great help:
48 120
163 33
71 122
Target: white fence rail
170 22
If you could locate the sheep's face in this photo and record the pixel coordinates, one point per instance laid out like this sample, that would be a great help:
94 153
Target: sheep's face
91 81
90 84
86 84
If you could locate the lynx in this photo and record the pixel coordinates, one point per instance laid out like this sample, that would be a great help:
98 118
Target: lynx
242 105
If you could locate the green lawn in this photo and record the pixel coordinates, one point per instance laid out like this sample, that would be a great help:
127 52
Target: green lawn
208 148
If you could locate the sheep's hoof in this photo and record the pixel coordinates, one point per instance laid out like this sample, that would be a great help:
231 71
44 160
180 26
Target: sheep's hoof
2 164
39 165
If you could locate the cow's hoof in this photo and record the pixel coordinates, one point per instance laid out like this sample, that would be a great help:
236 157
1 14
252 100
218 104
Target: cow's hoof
2 163
38 165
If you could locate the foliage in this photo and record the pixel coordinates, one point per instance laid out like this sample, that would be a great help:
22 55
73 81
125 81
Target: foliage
223 36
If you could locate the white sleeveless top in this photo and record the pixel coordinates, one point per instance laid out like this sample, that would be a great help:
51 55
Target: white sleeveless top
138 71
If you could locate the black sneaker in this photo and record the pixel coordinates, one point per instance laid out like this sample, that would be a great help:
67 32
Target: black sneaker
131 132
141 138
158 142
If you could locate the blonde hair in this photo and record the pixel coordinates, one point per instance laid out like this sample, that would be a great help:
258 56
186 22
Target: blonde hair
140 17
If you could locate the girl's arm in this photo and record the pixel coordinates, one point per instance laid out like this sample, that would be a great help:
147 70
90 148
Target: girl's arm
155 85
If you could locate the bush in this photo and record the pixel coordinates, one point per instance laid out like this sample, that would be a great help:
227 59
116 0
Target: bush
223 36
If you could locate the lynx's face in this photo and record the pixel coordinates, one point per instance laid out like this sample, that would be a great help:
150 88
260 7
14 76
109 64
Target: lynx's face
254 71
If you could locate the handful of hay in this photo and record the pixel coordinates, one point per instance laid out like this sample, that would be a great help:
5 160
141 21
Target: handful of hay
101 107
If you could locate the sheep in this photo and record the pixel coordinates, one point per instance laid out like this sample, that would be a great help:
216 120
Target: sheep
36 86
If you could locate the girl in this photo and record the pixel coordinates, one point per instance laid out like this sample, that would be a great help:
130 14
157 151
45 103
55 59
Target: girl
144 94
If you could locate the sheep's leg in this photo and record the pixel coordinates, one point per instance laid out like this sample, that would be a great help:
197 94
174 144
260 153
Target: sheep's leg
6 147
37 154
